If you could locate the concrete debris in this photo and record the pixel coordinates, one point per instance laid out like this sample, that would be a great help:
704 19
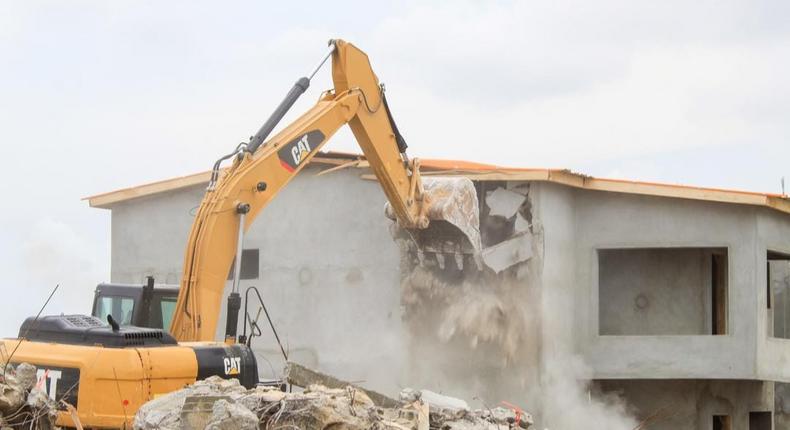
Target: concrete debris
38 400
482 316
216 403
522 272
481 310
521 225
508 253
159 413
12 397
26 375
22 404
301 376
434 399
226 415
447 412
503 202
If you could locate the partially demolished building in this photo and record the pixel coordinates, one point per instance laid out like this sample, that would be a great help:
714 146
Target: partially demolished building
672 299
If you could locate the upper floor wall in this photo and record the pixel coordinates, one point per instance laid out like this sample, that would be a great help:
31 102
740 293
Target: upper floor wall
664 288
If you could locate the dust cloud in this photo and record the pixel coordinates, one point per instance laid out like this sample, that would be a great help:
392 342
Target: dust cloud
496 337
52 253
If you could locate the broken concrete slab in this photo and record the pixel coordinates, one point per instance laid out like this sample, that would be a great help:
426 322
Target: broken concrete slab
510 252
301 376
503 202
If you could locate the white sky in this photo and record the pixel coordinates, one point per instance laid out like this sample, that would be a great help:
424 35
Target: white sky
98 95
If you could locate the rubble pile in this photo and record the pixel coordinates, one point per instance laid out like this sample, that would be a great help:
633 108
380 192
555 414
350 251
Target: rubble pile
23 403
217 403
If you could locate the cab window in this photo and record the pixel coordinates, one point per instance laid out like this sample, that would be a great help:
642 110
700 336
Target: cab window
167 308
121 308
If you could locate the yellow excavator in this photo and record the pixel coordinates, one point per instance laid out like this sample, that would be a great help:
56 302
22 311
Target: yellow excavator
107 371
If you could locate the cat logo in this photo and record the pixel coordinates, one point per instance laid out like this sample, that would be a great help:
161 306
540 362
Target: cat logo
232 365
59 383
300 150
48 379
295 152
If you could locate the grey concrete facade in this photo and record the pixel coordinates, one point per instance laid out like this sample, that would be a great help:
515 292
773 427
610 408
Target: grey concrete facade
328 268
629 275
604 221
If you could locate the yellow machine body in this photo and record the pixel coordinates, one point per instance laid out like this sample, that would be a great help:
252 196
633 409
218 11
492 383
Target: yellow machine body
114 382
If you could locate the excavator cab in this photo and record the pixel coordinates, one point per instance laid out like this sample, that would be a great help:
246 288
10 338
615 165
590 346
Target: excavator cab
136 305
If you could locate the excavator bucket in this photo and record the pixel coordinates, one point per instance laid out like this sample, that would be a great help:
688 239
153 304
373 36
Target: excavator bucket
453 233
454 201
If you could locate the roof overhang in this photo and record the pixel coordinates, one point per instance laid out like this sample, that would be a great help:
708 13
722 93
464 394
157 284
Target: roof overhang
479 172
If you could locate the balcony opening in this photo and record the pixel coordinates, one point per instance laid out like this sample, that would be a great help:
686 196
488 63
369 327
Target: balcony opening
778 293
760 420
722 422
663 291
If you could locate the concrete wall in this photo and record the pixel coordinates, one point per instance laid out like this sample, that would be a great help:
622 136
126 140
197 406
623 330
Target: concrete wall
329 271
554 218
149 236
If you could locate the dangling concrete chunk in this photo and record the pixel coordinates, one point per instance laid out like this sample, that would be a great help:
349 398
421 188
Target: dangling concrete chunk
503 202
508 253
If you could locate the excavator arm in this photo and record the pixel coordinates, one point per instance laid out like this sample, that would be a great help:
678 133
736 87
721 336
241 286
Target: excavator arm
263 167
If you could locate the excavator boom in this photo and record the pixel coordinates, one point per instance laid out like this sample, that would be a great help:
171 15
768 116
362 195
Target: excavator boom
261 168
108 372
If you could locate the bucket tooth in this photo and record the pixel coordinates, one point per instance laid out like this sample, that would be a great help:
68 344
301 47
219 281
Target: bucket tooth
421 257
459 260
440 260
